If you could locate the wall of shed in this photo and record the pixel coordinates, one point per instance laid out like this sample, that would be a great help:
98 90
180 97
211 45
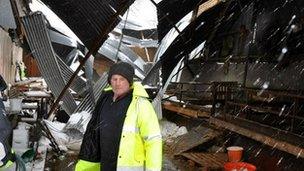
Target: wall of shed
288 78
9 55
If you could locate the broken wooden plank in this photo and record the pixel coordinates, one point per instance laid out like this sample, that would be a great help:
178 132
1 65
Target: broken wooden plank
195 113
28 81
208 160
206 6
193 138
267 130
272 142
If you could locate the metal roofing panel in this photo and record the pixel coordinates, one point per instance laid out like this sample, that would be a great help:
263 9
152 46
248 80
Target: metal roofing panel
66 53
88 18
62 39
168 15
185 42
138 42
40 44
87 104
109 50
79 84
141 34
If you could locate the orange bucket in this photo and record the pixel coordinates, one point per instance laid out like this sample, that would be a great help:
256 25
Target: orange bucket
239 166
235 153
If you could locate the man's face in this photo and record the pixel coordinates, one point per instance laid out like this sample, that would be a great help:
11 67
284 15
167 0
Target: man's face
120 85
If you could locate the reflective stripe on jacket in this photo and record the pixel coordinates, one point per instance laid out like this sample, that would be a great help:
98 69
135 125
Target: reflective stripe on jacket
141 144
83 165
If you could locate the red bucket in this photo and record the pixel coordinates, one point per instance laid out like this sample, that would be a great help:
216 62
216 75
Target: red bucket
239 166
235 153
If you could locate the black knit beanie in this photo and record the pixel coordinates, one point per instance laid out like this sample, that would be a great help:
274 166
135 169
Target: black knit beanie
121 68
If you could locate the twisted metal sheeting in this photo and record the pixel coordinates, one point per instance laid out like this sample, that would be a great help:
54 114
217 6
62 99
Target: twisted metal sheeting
78 84
87 104
39 41
87 18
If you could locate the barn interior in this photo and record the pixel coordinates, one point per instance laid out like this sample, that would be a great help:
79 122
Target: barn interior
219 73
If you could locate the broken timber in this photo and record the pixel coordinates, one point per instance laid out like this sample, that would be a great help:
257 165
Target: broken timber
193 138
208 160
281 145
185 111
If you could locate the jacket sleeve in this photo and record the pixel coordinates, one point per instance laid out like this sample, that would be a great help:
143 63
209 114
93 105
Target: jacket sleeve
90 147
150 132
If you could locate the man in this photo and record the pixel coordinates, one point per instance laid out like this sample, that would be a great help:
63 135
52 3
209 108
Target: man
123 133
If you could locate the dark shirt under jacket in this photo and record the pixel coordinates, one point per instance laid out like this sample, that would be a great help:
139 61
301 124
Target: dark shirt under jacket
112 116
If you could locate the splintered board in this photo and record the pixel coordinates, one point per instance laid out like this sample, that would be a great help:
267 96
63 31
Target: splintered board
208 160
193 138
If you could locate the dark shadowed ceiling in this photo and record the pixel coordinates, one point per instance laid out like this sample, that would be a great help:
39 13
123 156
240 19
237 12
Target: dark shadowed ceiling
88 19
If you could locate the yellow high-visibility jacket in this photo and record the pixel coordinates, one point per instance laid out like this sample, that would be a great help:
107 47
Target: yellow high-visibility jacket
141 144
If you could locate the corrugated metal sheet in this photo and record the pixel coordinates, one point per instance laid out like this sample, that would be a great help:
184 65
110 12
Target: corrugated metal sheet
167 15
87 104
40 44
87 18
79 84
62 39
139 42
109 49
7 19
66 53
141 34
191 37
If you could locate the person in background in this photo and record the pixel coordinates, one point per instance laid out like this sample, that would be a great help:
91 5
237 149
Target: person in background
123 133
7 156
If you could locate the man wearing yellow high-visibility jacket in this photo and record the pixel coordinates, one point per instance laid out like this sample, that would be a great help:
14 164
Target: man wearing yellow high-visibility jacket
123 133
